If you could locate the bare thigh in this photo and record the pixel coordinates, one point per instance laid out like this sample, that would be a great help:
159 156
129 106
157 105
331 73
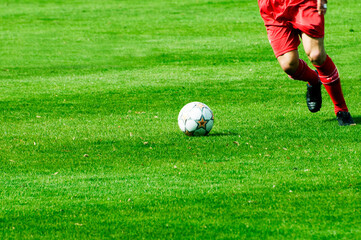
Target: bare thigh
315 49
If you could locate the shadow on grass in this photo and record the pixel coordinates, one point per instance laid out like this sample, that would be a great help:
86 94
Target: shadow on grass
357 120
216 134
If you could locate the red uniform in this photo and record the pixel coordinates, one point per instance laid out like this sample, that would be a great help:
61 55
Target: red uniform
286 19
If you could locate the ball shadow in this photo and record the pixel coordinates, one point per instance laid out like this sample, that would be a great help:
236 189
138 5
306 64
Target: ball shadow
216 134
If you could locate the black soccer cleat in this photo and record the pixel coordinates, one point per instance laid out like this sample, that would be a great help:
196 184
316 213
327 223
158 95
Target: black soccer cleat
314 97
345 119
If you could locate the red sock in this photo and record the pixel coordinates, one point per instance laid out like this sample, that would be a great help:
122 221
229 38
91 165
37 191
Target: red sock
331 80
305 73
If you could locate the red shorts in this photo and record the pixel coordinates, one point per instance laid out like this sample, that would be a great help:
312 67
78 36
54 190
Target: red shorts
286 19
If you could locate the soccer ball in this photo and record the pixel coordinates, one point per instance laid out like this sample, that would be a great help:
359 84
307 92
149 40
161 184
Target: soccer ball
196 119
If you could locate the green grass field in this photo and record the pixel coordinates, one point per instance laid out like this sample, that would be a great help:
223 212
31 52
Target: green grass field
89 143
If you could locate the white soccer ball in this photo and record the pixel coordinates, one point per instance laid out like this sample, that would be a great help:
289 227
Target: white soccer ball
196 119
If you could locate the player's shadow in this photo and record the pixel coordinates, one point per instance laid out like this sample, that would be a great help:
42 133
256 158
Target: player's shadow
356 119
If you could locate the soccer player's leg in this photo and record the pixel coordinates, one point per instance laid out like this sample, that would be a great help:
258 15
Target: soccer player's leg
298 69
285 41
328 74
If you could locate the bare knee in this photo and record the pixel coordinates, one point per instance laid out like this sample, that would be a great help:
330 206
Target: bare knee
315 49
289 64
317 56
